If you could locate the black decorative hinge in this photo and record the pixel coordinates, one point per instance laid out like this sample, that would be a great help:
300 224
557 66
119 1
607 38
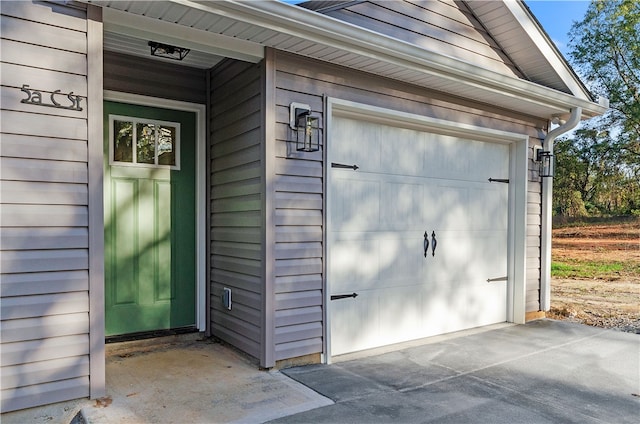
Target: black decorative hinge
499 180
339 165
343 296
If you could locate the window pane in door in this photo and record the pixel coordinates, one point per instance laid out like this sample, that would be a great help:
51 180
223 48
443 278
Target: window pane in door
166 145
146 143
123 141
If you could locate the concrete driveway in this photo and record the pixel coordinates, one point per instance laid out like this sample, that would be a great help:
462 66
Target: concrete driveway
542 372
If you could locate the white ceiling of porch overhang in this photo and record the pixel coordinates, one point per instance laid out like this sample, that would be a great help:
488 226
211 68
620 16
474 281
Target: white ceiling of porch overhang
241 30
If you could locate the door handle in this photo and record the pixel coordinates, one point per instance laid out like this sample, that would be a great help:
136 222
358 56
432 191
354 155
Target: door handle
434 243
426 244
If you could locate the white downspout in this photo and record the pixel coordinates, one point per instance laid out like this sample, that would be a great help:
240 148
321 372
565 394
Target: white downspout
547 193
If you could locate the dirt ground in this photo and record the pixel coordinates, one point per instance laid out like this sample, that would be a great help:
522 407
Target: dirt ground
608 293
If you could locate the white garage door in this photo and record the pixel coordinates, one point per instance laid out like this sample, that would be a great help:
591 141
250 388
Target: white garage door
410 183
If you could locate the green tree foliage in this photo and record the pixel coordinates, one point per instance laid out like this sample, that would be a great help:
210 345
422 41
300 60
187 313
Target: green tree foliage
605 49
592 179
599 167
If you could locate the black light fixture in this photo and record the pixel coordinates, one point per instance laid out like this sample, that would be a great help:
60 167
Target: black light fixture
547 163
168 51
306 127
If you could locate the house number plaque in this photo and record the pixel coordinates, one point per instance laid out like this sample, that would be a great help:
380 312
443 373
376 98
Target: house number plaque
57 99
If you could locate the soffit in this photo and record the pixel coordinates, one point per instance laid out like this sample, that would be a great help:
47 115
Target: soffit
523 39
121 43
241 30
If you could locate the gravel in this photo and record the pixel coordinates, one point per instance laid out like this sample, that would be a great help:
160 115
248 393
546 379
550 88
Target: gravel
620 322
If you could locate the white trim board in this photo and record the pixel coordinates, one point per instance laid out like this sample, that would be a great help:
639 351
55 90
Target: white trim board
518 176
200 111
95 146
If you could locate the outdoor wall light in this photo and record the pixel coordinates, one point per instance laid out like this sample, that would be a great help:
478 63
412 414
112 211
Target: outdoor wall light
167 51
546 161
306 127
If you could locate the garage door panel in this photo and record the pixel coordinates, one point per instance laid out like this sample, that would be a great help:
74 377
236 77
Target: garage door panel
376 318
411 182
354 264
445 308
356 205
355 324
491 253
401 255
358 144
494 160
406 198
468 255
486 206
402 151
446 158
379 260
400 311
456 158
448 207
456 305
452 256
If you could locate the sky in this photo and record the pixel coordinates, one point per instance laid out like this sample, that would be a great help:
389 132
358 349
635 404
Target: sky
557 17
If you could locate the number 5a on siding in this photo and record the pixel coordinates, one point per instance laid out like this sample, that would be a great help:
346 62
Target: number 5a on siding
34 97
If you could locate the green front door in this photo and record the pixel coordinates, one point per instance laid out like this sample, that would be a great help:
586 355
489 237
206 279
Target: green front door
149 194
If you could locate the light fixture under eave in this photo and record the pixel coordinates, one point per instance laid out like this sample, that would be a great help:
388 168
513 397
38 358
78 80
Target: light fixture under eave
168 51
546 162
306 127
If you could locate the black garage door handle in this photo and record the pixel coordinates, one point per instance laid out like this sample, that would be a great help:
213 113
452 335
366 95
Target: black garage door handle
434 243
426 244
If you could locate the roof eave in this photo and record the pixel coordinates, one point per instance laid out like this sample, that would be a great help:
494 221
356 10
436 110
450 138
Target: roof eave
490 87
534 30
330 31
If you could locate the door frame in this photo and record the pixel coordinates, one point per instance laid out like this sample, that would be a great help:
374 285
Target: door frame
517 203
200 112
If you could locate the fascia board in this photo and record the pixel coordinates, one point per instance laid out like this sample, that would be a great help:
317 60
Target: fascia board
164 32
542 42
312 26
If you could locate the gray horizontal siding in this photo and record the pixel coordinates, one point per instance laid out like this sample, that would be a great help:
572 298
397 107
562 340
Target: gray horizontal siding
298 221
44 234
444 26
236 178
54 149
20 53
37 33
534 231
57 391
299 185
148 77
36 306
46 326
37 170
27 192
41 283
38 373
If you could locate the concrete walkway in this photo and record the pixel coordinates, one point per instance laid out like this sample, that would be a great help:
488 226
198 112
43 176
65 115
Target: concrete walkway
180 381
543 372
